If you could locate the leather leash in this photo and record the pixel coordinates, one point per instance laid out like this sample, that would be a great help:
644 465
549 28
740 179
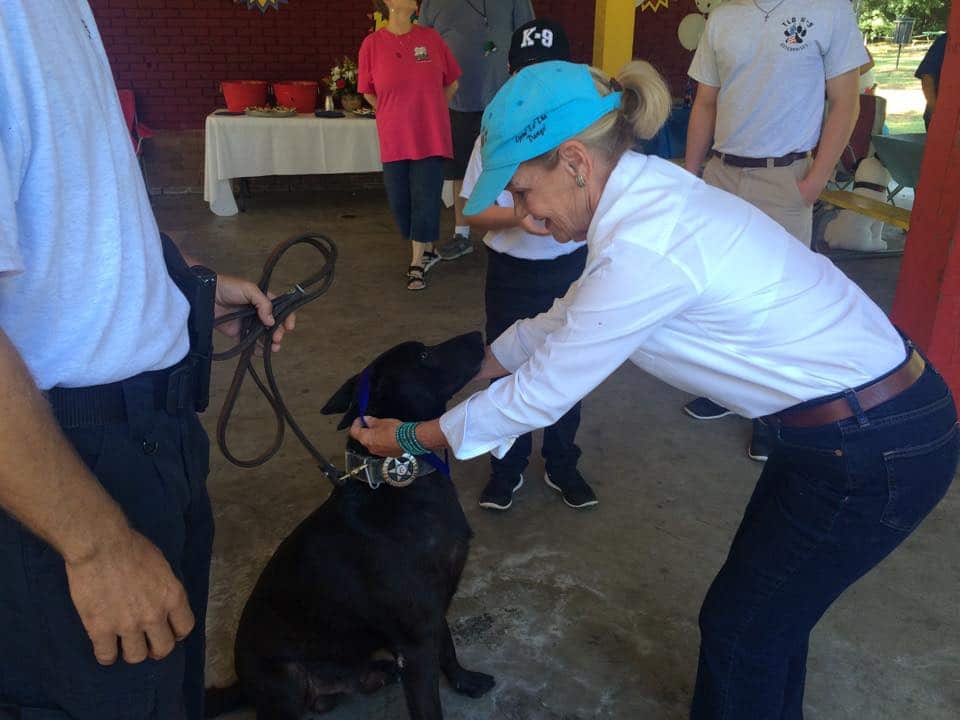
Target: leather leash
253 332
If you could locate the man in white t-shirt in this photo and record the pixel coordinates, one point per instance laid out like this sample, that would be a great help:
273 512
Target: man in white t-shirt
105 523
763 71
527 269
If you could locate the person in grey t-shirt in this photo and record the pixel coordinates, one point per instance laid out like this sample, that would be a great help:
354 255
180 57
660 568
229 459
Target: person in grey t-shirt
764 69
478 32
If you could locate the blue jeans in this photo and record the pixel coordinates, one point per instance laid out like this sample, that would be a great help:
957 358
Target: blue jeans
413 192
831 503
154 465
517 289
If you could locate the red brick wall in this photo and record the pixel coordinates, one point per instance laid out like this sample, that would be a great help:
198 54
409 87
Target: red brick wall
173 53
655 40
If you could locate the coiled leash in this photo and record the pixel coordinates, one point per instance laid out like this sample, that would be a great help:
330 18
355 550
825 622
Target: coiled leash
253 332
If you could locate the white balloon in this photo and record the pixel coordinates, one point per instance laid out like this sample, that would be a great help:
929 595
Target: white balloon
690 30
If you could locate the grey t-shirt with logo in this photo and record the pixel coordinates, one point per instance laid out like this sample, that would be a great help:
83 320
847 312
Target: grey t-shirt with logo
772 72
478 33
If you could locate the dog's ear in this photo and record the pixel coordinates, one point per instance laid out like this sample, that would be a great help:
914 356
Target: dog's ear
343 401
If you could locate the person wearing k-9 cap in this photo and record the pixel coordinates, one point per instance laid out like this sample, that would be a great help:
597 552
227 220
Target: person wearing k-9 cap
527 270
704 291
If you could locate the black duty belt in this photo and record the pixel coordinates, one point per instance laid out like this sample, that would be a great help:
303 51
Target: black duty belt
173 390
748 162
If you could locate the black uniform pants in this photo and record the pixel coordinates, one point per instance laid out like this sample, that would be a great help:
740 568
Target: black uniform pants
517 289
154 465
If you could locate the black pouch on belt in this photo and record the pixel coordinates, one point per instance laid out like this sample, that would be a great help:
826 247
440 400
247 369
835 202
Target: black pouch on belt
199 285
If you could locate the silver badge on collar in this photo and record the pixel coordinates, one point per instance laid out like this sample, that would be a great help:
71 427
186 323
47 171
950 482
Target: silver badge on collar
400 471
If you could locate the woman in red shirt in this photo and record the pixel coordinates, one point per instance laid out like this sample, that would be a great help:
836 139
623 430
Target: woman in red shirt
408 74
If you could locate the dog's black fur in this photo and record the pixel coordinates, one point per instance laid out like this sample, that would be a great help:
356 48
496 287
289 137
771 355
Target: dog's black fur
369 570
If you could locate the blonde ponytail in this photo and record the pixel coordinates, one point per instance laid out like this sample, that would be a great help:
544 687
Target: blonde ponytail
642 112
646 98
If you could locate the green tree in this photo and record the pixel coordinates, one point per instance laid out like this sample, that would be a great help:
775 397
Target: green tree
877 16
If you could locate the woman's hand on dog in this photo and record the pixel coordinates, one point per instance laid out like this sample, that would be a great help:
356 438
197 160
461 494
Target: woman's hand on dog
380 435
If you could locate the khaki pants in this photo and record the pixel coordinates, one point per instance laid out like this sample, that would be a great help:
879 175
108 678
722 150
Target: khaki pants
771 189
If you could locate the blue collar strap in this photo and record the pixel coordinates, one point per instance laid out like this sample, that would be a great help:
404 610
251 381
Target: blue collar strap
439 465
363 399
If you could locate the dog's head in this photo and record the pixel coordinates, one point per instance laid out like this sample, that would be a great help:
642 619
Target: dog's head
871 170
411 381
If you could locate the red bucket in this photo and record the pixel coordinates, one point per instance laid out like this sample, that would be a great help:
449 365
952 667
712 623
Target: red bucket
301 94
241 94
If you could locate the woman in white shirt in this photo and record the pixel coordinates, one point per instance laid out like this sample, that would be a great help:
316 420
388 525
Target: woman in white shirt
704 291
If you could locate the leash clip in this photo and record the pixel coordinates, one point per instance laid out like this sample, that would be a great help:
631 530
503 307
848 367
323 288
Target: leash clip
356 471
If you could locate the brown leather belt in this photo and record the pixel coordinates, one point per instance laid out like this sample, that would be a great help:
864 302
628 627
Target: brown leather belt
746 162
868 397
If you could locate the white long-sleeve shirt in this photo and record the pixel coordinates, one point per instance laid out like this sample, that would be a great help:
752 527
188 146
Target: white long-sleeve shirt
698 288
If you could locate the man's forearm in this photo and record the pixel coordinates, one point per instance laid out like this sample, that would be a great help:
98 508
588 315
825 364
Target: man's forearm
840 121
43 483
929 90
703 119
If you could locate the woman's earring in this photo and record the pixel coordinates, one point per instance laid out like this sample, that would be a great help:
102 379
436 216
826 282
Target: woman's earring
581 182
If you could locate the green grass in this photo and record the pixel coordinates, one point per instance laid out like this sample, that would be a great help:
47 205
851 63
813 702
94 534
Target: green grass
890 76
909 118
905 123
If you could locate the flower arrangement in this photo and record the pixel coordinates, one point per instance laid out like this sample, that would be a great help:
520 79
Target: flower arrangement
343 78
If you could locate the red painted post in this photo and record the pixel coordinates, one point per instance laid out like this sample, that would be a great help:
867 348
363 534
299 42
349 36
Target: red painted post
927 303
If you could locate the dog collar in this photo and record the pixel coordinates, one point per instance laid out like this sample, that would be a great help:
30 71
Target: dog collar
394 471
869 186
363 399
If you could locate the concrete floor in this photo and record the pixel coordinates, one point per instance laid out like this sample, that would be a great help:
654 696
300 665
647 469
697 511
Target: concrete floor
578 614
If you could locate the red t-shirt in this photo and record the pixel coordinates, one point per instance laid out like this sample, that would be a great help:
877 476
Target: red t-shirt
408 73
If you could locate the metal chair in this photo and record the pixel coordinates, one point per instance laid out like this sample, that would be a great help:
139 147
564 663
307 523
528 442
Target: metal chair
901 155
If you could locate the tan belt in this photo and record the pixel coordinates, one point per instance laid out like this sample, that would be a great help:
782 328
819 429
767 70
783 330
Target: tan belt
868 397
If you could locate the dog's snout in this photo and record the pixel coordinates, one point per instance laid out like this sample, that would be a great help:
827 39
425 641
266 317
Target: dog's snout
467 341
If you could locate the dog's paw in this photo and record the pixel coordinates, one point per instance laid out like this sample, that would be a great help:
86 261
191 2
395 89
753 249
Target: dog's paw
473 684
379 674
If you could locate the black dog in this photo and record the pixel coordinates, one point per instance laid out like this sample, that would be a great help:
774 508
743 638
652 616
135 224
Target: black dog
371 569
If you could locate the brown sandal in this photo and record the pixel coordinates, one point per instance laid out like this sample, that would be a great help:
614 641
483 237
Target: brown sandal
415 280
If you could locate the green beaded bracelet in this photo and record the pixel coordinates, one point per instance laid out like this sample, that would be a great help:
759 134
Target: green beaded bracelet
406 436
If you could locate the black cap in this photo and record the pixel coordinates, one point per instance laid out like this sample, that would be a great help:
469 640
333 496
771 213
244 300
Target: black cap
538 41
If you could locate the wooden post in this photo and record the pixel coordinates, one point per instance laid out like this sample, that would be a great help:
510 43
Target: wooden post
927 303
613 34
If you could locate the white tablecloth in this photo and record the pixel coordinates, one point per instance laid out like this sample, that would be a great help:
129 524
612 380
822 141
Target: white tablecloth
242 146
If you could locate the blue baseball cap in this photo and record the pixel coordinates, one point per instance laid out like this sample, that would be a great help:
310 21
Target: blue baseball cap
535 111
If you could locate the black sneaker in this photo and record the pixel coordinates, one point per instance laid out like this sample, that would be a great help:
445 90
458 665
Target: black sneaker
498 494
759 447
705 409
573 488
458 246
